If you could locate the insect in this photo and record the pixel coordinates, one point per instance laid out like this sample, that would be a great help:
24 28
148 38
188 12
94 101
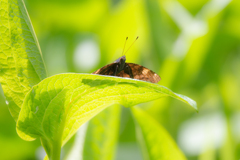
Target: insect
131 70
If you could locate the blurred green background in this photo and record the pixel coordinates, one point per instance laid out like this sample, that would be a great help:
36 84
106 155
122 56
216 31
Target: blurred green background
193 45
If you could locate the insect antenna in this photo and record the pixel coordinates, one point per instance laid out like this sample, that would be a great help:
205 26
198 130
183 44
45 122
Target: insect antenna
124 45
131 45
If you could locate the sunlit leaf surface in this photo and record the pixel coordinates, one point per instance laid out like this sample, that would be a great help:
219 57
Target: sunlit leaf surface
21 64
203 65
155 141
59 105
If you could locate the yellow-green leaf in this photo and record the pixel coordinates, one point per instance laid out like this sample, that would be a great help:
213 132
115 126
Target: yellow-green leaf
56 107
21 64
101 136
156 143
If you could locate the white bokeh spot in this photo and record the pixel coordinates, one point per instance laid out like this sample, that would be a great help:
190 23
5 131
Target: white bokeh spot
196 135
86 55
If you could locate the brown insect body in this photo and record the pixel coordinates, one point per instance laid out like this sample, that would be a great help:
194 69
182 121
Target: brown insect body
131 70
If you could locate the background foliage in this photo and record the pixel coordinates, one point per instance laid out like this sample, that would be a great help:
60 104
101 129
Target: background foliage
193 45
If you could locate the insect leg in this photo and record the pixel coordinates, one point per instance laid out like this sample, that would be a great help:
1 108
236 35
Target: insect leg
115 72
128 70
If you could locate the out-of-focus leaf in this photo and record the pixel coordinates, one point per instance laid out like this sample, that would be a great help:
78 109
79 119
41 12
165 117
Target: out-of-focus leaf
101 136
189 53
21 64
163 33
155 142
228 148
65 14
97 138
56 107
193 7
76 149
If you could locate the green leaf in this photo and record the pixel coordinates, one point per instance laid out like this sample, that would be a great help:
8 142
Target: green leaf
21 64
155 142
97 139
56 107
102 134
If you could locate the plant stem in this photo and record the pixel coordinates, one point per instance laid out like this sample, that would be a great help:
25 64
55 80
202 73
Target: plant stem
56 151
